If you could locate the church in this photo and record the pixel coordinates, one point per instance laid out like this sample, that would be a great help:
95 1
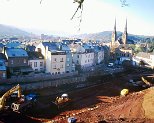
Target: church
119 47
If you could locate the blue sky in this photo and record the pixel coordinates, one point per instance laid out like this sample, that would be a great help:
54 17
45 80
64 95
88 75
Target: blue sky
53 16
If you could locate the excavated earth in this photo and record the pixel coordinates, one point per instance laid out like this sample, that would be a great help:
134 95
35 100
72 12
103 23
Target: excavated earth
96 104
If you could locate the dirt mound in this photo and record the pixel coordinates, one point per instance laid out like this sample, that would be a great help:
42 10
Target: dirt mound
134 108
148 103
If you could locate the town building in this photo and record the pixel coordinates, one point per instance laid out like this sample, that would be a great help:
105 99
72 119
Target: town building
17 61
55 59
36 61
83 56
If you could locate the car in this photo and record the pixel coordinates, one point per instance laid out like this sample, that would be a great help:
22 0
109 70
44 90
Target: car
110 65
31 97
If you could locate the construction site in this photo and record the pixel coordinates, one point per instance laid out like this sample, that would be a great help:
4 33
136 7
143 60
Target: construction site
122 97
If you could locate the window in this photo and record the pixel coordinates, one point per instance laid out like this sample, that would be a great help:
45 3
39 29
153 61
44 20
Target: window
4 75
24 60
54 67
30 63
61 60
55 59
41 64
39 50
78 56
35 64
77 62
36 70
68 59
62 66
68 65
11 61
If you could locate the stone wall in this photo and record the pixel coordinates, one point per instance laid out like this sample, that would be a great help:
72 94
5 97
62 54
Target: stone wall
43 84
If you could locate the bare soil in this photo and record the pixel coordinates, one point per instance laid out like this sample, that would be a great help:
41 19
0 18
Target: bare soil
96 104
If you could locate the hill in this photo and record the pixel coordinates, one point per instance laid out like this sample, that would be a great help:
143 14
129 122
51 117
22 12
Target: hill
106 36
11 31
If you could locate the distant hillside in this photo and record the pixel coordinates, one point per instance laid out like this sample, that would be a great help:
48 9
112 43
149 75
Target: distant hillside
11 31
106 36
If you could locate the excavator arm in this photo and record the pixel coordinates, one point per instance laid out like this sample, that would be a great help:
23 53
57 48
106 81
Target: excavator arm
7 94
146 81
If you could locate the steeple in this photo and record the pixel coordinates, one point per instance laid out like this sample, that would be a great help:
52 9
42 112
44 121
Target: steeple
114 34
125 34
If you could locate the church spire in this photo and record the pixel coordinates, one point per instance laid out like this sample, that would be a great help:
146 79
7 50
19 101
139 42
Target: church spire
125 34
114 34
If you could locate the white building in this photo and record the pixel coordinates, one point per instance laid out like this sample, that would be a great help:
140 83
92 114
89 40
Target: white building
54 58
36 61
55 62
82 55
99 55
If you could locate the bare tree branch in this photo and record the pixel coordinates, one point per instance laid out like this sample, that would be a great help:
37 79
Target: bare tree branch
80 6
80 18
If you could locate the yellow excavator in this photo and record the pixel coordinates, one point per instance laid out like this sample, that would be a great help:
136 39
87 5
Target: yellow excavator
7 94
62 101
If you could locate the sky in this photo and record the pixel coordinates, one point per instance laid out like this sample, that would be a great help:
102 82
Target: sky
54 16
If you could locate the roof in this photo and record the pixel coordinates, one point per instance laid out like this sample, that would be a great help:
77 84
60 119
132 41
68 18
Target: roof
86 46
13 45
97 48
2 66
65 47
16 52
35 55
51 46
106 48
30 48
3 57
1 45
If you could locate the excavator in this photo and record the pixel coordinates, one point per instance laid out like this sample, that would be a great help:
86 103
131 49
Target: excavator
62 101
7 94
21 103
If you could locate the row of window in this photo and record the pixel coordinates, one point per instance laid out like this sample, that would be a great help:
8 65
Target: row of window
55 67
62 72
36 64
127 55
86 61
90 55
12 61
89 60
61 59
